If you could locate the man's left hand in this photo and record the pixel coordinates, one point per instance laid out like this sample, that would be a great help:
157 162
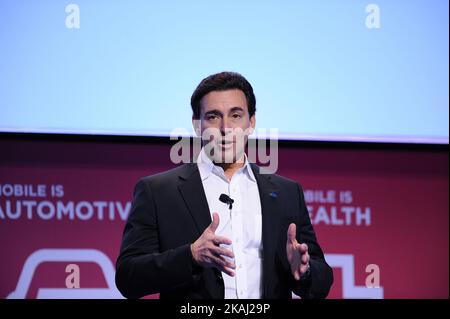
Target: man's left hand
297 253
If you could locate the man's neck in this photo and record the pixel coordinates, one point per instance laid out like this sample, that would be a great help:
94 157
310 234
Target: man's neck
231 168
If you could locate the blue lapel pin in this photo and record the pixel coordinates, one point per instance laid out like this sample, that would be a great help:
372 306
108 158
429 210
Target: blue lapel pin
273 194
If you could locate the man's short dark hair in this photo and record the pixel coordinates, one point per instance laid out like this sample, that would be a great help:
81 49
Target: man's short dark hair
221 82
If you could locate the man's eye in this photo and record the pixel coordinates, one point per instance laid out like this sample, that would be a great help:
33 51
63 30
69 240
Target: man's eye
211 117
236 116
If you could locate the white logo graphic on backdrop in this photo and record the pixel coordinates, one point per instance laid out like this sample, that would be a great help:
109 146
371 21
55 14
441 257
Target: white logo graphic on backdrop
343 261
62 255
349 289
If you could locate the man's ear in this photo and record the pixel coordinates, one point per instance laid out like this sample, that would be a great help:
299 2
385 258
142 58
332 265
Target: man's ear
252 124
197 126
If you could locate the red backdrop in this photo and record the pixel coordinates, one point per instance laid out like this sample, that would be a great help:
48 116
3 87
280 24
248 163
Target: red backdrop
383 207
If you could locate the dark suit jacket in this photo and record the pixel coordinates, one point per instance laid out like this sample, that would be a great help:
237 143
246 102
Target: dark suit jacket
170 211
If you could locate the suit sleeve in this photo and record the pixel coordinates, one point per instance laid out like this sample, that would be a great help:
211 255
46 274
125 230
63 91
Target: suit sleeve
319 282
141 268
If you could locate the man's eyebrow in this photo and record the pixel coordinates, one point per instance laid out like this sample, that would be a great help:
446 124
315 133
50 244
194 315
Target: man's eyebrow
219 113
213 112
236 108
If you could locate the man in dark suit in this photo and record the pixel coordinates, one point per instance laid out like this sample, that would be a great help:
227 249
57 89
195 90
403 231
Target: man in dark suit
221 228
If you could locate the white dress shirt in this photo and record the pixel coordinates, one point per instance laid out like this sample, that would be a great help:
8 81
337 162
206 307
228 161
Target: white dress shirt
242 224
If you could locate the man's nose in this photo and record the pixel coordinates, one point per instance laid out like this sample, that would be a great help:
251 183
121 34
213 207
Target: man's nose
224 128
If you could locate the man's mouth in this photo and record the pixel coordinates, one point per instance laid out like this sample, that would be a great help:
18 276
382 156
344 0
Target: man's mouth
225 144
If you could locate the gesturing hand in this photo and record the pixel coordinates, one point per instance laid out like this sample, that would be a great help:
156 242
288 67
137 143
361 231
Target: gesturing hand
207 252
297 254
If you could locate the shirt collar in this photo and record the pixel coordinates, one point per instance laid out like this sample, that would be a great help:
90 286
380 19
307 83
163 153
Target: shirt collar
206 167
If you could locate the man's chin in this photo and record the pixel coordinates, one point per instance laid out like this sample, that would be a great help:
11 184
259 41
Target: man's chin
226 156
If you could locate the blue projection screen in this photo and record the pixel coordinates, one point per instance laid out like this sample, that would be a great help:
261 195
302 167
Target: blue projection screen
342 70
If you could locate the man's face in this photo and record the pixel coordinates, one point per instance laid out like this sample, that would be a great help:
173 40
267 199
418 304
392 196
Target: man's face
224 125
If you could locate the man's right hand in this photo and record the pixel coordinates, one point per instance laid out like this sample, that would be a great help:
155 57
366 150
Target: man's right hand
207 252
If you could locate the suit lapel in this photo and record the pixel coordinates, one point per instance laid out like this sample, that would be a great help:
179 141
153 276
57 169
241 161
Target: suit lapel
191 189
270 206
